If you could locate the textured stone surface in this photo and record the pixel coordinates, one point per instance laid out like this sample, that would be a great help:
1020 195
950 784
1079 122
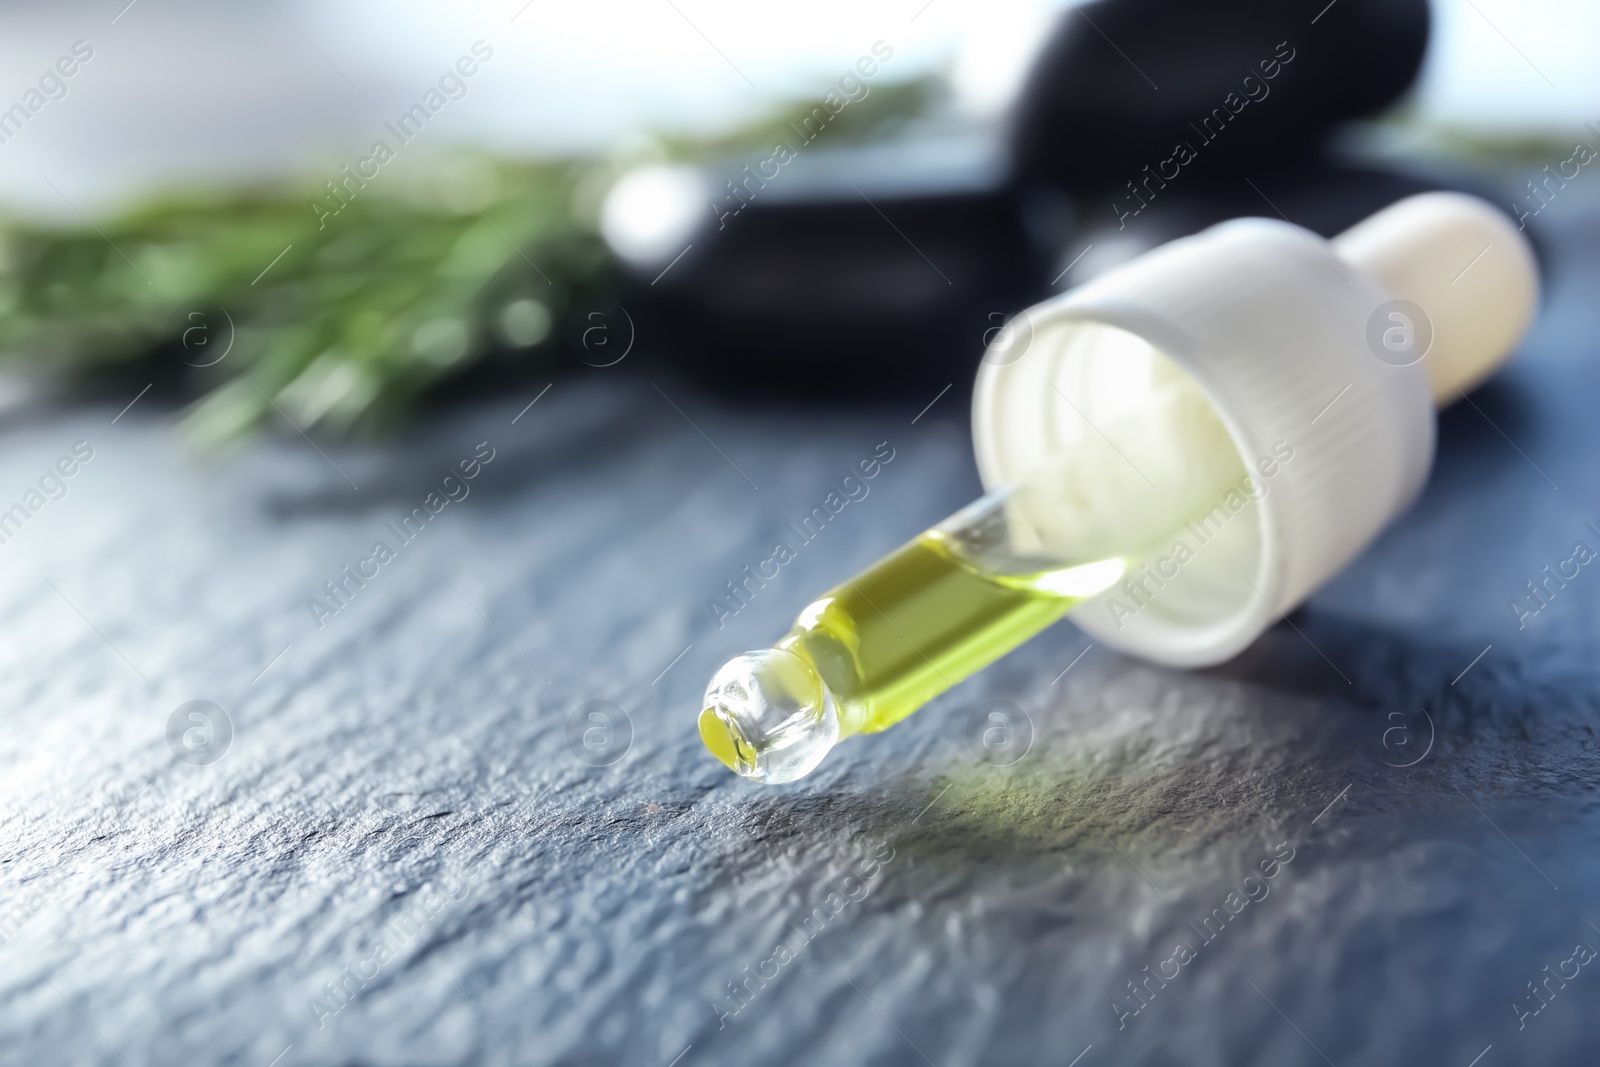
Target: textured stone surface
161 913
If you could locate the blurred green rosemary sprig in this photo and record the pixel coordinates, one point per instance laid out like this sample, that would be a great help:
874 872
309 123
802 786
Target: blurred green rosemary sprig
344 322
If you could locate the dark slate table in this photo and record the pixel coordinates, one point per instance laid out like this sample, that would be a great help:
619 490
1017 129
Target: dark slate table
418 847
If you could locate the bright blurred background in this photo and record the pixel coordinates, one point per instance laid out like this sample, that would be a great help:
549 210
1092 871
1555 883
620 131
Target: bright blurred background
186 92
194 145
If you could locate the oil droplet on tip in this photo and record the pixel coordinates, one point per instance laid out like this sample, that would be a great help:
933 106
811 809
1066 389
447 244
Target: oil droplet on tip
719 738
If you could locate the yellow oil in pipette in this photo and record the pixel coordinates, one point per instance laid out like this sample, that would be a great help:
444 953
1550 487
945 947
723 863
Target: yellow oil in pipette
873 650
891 639
900 633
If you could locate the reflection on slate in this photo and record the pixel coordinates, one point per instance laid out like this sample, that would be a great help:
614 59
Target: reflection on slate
412 853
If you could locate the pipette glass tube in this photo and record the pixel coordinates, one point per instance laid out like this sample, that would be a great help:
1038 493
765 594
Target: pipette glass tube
874 649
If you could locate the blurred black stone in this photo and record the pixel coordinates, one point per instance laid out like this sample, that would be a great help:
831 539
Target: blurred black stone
848 280
1123 81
